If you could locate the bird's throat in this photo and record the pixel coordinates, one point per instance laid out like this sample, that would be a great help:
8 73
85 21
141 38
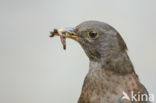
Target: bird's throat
120 64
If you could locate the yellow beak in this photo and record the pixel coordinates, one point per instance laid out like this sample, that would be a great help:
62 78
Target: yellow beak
66 33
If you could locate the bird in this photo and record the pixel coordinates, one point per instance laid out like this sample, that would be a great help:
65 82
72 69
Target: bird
111 77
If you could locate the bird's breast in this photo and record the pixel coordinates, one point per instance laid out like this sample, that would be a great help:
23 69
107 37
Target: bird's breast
103 85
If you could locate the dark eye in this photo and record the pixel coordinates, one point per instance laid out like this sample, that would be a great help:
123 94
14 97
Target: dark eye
92 34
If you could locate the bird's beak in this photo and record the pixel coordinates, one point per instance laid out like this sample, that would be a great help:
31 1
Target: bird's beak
65 33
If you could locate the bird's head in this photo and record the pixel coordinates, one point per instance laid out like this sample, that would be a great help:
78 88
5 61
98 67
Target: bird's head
98 39
102 43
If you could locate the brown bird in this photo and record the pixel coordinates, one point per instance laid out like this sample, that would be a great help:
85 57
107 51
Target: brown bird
111 77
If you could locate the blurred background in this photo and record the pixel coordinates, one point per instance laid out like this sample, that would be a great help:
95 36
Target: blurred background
35 69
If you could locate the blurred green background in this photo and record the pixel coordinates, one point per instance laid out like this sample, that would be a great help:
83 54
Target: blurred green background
35 69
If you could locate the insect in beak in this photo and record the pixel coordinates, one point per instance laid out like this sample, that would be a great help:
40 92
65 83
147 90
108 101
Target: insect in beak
64 33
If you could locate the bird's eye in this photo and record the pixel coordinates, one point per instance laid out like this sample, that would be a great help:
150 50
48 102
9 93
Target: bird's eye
92 34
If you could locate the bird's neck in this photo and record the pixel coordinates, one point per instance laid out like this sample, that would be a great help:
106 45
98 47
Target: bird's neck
119 63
